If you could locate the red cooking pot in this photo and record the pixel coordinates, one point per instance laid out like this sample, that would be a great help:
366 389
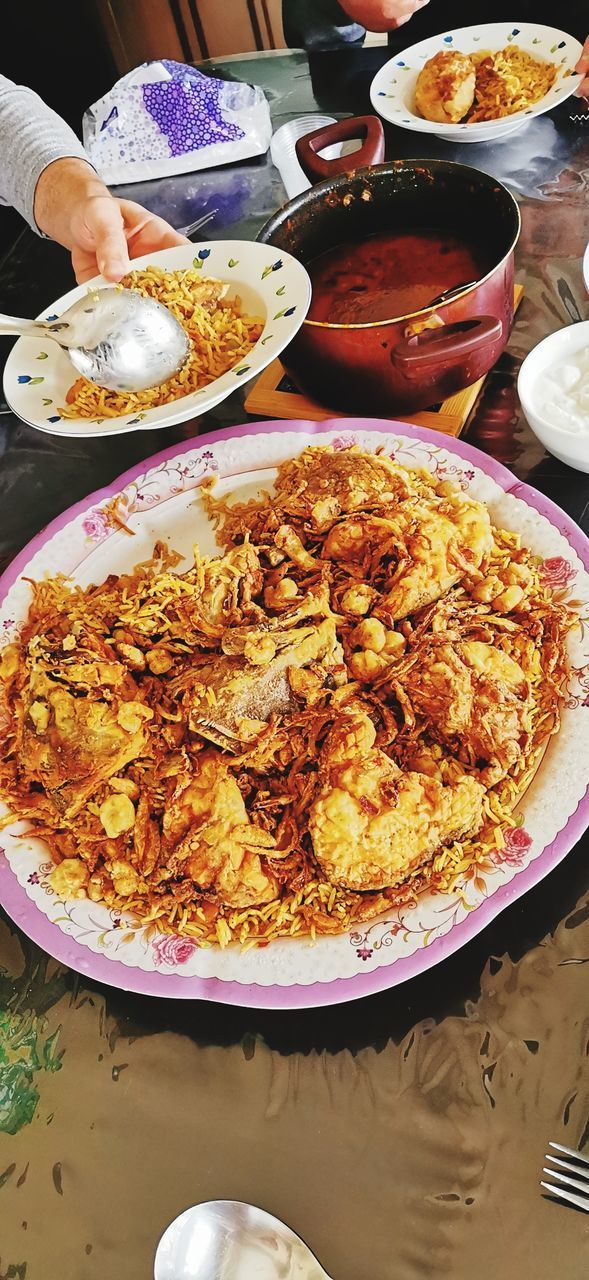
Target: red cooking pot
411 361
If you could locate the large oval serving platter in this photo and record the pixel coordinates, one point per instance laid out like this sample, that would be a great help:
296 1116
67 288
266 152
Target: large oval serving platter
160 499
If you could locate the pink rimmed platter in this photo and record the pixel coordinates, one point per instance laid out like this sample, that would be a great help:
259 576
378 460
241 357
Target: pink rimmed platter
159 499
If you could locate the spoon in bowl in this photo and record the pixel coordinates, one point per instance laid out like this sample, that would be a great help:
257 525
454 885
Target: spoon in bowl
228 1240
449 293
115 337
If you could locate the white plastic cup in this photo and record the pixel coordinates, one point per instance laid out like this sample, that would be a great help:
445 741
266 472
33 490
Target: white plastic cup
284 156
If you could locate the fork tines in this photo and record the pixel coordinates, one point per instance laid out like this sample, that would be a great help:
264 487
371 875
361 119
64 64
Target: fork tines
576 1177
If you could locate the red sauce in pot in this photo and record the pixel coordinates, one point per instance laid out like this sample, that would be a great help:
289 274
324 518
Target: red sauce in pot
391 275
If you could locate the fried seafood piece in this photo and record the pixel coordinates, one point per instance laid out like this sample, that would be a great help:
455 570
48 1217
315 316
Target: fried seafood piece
229 699
475 693
226 586
72 745
322 484
425 548
445 87
312 491
204 293
373 825
274 633
208 837
208 291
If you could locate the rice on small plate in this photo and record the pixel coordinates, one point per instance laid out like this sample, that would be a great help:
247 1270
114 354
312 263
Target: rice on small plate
220 334
267 299
392 91
509 81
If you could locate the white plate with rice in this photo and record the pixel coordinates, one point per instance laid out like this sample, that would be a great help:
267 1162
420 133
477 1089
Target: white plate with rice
392 92
263 285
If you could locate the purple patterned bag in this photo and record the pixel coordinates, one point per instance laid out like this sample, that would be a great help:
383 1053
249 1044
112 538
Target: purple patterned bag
166 117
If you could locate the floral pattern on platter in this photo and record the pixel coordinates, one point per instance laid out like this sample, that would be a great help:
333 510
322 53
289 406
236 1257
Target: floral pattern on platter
431 458
556 572
171 949
477 883
9 630
96 525
347 440
517 846
404 924
158 485
402 933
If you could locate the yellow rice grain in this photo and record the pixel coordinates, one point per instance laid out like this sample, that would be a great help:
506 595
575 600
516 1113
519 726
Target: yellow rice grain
220 337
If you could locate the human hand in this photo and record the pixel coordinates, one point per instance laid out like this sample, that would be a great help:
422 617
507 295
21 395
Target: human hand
582 90
73 206
382 15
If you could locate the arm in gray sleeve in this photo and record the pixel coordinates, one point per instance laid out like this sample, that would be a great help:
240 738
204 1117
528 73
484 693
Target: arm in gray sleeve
31 137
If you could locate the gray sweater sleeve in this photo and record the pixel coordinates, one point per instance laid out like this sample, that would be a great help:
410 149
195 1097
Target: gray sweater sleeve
31 137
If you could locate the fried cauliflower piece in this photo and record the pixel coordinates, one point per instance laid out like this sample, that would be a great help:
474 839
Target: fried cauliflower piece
227 586
78 743
321 484
69 879
443 542
208 837
231 698
419 552
445 87
362 540
477 694
117 815
372 825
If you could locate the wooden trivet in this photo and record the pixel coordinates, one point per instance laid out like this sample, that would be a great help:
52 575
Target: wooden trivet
273 395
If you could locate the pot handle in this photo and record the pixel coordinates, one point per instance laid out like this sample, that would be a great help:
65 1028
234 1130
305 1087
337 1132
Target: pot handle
315 168
431 350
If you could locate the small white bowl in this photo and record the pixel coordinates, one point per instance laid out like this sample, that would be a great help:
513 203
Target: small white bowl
586 268
564 445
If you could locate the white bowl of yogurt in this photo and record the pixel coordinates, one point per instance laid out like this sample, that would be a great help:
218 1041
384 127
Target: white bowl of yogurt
553 388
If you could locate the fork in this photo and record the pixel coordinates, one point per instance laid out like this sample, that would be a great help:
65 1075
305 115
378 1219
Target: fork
579 1180
198 225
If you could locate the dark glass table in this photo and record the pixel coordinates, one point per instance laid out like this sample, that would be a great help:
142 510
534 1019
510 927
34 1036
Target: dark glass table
403 1135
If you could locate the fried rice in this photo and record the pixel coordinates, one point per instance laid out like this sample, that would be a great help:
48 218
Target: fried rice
122 728
509 81
453 87
220 337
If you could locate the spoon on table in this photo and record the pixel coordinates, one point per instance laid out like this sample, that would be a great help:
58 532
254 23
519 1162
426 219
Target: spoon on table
115 337
228 1240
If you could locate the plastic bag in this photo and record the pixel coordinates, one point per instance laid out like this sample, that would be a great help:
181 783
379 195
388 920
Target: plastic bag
166 117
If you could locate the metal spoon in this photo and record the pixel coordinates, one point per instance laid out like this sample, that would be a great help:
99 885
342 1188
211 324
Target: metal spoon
449 293
227 1240
115 337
